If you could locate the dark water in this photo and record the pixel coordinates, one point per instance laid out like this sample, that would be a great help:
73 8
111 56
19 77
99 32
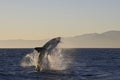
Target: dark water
83 64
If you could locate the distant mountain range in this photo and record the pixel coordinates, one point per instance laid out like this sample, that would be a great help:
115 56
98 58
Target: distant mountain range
109 39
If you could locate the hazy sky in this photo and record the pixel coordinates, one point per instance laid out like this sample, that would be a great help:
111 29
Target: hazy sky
40 19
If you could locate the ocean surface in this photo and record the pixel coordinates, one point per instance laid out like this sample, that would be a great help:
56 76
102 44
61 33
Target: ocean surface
82 64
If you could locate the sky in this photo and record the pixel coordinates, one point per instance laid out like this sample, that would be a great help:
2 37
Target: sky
41 19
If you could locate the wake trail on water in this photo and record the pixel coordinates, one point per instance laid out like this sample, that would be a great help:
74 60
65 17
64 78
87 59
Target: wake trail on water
54 61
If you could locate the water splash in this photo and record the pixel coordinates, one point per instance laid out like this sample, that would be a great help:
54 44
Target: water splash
30 59
54 61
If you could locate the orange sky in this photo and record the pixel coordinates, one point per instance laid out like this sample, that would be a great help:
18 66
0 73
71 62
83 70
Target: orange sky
40 19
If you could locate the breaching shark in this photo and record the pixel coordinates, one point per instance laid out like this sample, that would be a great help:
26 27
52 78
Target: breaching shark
46 50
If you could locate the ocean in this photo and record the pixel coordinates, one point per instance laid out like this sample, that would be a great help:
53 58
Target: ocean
81 64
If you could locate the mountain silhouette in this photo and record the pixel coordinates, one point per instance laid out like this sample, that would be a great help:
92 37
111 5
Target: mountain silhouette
109 39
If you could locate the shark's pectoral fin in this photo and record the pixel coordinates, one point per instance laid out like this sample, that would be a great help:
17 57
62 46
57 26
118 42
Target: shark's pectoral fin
39 49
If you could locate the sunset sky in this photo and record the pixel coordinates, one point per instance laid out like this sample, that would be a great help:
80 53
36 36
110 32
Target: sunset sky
40 19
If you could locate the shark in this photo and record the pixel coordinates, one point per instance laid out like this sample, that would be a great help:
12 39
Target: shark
45 51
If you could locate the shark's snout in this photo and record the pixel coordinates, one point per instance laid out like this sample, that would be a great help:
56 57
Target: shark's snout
58 39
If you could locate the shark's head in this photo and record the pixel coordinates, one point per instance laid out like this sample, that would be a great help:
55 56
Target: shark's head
58 39
50 45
